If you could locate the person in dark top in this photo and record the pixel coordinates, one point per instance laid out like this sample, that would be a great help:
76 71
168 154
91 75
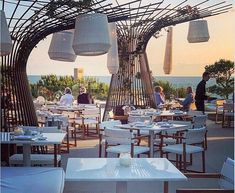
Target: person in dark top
201 92
84 97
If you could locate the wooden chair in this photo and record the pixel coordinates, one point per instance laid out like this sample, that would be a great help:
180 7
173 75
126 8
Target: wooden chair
126 141
71 125
228 114
88 116
170 140
199 121
192 142
225 180
218 110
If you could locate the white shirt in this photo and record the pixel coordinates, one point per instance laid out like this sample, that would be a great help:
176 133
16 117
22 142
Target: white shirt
66 100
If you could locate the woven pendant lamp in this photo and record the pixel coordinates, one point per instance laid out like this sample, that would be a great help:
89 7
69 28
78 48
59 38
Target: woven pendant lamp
91 36
61 47
6 44
198 31
112 57
167 66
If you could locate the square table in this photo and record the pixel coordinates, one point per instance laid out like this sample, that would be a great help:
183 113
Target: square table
51 139
109 170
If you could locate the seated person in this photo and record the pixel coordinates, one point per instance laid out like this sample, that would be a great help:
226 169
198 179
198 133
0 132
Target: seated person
84 97
189 99
67 99
159 95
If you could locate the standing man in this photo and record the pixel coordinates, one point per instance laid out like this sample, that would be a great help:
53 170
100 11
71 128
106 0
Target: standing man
201 92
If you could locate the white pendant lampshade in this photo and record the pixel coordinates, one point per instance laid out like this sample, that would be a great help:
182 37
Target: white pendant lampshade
91 36
167 66
112 57
6 44
198 31
61 46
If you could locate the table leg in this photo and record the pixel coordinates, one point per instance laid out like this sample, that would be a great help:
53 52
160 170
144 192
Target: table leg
121 187
151 133
55 155
26 154
166 187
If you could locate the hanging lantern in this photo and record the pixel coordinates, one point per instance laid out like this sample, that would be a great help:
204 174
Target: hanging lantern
112 57
91 36
198 31
61 47
6 44
167 66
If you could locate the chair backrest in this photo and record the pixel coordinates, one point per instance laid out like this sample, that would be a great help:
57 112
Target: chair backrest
228 107
188 123
195 136
140 118
109 124
89 113
117 136
219 102
227 175
199 121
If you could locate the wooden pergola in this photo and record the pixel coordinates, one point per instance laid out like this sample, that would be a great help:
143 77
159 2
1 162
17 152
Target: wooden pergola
137 21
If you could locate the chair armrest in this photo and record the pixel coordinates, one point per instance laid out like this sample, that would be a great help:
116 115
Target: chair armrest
204 191
202 175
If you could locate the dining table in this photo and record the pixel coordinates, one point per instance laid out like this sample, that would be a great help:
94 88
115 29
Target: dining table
96 170
27 141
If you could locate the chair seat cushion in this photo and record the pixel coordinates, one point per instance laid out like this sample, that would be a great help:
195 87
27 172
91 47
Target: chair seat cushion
178 149
127 148
36 159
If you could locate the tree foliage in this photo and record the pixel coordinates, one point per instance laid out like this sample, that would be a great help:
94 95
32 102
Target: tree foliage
51 87
222 71
169 89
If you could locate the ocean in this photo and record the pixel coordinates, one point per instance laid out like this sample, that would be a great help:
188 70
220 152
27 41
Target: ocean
176 81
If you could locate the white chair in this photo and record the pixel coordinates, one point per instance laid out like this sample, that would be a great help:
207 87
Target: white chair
103 125
199 121
88 116
37 159
140 118
125 140
228 114
188 144
71 125
218 109
225 180
170 140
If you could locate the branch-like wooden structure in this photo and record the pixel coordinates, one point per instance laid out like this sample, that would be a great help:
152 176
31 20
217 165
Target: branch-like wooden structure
30 21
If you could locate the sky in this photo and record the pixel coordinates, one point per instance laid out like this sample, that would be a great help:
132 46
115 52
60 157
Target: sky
188 59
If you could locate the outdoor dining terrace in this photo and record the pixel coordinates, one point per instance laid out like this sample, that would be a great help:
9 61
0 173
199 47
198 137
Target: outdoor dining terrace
145 148
91 150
